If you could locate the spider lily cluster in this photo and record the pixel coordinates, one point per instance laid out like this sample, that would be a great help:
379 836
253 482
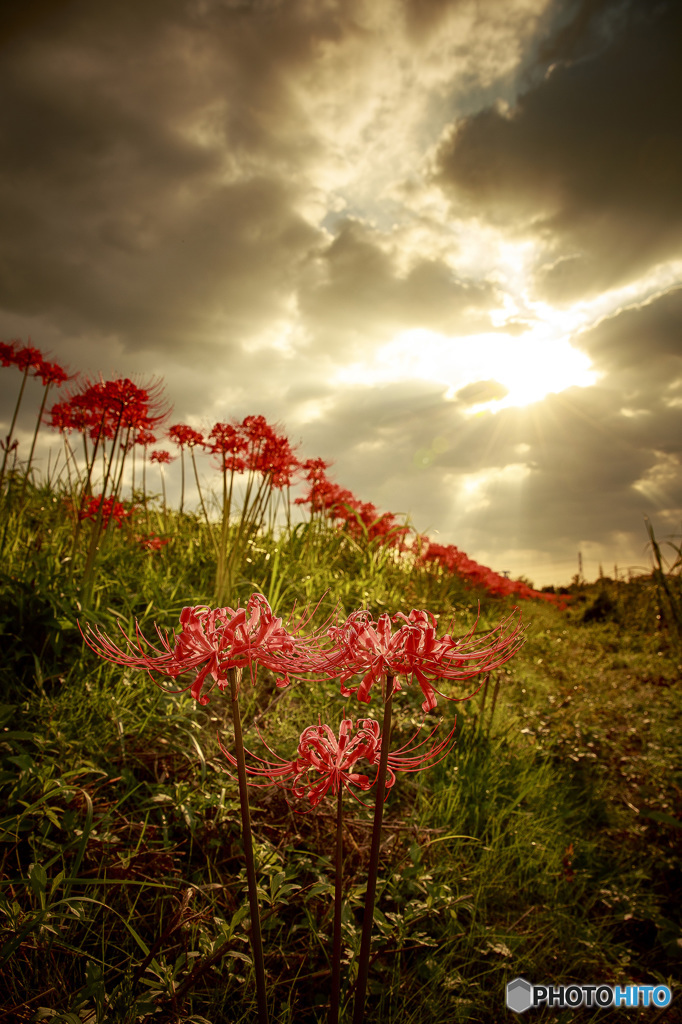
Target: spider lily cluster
324 763
120 419
221 647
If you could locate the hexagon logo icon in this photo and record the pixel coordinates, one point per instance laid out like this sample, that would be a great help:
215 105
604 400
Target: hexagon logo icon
519 995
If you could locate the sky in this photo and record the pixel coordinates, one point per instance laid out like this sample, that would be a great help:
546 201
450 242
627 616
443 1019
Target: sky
439 242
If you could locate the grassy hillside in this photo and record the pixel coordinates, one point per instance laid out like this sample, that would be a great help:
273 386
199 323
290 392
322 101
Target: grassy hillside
546 845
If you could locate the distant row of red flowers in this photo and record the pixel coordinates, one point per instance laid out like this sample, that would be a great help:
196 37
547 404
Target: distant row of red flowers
130 414
30 360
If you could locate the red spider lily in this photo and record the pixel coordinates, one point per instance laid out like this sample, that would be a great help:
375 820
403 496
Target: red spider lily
450 558
361 518
144 437
225 440
63 417
325 763
7 352
215 641
28 358
152 543
326 496
414 650
185 436
161 457
51 373
253 446
111 509
268 452
314 470
107 407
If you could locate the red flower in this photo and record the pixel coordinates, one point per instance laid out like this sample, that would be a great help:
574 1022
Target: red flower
51 373
105 407
361 518
373 650
28 358
225 440
325 763
182 435
151 543
111 509
144 437
7 352
254 446
63 416
315 469
215 641
163 458
450 558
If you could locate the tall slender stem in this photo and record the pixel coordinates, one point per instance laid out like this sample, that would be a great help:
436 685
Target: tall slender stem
12 424
182 478
46 388
256 940
201 499
338 906
370 896
93 548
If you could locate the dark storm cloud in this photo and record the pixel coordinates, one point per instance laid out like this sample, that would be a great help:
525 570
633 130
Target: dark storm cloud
595 470
582 461
149 191
590 158
586 465
580 469
385 430
639 338
355 286
641 350
169 171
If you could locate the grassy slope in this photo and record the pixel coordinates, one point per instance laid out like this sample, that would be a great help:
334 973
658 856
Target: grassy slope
547 845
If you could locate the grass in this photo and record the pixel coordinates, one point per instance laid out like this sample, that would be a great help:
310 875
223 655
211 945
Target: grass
547 845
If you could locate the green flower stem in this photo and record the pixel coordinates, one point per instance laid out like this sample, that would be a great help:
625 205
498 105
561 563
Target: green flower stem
8 439
256 940
201 500
338 905
370 896
46 388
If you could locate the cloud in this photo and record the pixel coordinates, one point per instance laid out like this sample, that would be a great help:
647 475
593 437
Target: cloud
587 160
643 338
481 391
355 290
152 196
640 350
231 193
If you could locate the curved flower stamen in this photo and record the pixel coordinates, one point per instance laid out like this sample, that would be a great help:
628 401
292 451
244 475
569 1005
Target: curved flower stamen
213 641
325 763
414 651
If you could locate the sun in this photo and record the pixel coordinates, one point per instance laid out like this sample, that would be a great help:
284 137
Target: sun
528 367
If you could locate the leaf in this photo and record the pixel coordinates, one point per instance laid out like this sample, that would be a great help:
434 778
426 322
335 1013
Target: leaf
49 813
6 712
664 819
38 878
319 889
238 917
